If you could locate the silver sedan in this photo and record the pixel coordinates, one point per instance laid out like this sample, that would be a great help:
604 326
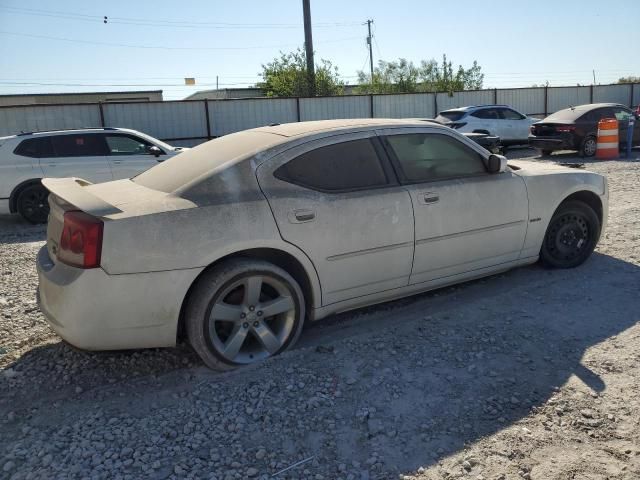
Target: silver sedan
237 242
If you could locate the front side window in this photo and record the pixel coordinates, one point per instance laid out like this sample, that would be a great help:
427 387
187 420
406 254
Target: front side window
79 145
424 157
127 145
35 148
509 114
345 166
486 114
622 114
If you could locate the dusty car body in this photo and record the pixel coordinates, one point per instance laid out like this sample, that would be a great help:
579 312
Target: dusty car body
229 233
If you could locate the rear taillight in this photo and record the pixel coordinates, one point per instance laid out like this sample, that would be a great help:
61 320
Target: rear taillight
565 129
81 240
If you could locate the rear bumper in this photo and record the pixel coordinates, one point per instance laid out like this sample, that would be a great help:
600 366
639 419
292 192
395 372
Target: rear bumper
93 310
550 143
4 206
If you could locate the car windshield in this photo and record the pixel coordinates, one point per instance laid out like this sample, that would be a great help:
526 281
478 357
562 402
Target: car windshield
452 116
180 170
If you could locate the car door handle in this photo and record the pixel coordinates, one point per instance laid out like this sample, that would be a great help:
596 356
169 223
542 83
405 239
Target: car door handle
428 198
302 216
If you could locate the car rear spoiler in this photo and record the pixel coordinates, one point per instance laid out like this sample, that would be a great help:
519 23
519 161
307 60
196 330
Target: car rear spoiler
72 190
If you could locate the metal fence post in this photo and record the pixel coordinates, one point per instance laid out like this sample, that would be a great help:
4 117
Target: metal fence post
101 115
631 95
371 105
298 108
546 100
435 104
206 114
591 94
495 96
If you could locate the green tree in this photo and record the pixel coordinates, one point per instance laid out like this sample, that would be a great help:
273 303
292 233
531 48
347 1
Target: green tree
403 76
629 79
286 76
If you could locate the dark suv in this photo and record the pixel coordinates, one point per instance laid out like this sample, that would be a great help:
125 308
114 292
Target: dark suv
576 128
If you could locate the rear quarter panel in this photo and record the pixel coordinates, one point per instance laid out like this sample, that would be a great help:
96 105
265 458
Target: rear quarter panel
231 215
547 188
15 169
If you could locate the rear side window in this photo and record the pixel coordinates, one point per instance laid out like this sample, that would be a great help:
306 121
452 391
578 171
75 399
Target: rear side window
424 157
79 145
346 166
127 145
35 148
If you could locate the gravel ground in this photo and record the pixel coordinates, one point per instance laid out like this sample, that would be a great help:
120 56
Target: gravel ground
532 374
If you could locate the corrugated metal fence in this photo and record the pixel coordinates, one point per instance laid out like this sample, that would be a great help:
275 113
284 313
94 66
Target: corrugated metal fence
194 121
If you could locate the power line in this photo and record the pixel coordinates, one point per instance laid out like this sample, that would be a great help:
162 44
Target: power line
157 47
163 23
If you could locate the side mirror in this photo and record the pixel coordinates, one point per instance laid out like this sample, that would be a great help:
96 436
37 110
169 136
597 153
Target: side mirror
497 164
155 151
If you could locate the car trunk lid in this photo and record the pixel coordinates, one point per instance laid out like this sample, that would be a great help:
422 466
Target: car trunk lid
108 201
541 129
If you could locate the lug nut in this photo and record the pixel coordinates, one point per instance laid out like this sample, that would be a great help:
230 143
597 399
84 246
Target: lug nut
256 324
259 313
243 315
245 325
252 308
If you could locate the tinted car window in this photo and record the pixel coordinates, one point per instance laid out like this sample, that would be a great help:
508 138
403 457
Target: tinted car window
79 145
35 147
427 157
486 113
509 114
344 166
445 117
127 145
622 113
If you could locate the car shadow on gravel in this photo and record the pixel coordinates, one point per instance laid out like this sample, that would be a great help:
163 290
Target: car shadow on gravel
414 380
14 229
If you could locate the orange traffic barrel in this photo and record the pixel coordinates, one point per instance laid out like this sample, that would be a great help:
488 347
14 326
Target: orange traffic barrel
608 142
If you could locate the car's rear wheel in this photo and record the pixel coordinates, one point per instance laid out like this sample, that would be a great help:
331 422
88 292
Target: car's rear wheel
588 146
571 236
243 311
32 203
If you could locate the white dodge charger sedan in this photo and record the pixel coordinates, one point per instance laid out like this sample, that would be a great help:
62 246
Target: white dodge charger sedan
237 242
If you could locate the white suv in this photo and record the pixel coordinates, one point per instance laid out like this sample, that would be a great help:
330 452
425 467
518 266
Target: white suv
510 125
93 154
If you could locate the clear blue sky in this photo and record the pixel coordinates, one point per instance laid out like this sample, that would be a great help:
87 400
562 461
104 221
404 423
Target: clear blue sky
517 43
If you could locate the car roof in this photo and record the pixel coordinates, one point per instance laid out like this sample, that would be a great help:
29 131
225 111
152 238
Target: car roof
301 129
469 108
66 131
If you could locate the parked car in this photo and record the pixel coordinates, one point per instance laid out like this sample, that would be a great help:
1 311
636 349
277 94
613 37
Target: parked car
95 154
490 142
576 128
501 120
246 236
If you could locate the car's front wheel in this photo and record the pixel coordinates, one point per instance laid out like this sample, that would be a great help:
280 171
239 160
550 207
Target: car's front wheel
243 311
572 234
32 203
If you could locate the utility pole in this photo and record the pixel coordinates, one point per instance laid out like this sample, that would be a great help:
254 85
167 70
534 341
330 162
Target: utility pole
594 77
369 22
308 45
216 82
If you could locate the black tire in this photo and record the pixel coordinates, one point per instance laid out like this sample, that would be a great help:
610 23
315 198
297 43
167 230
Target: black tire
207 336
588 146
545 153
572 234
32 203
